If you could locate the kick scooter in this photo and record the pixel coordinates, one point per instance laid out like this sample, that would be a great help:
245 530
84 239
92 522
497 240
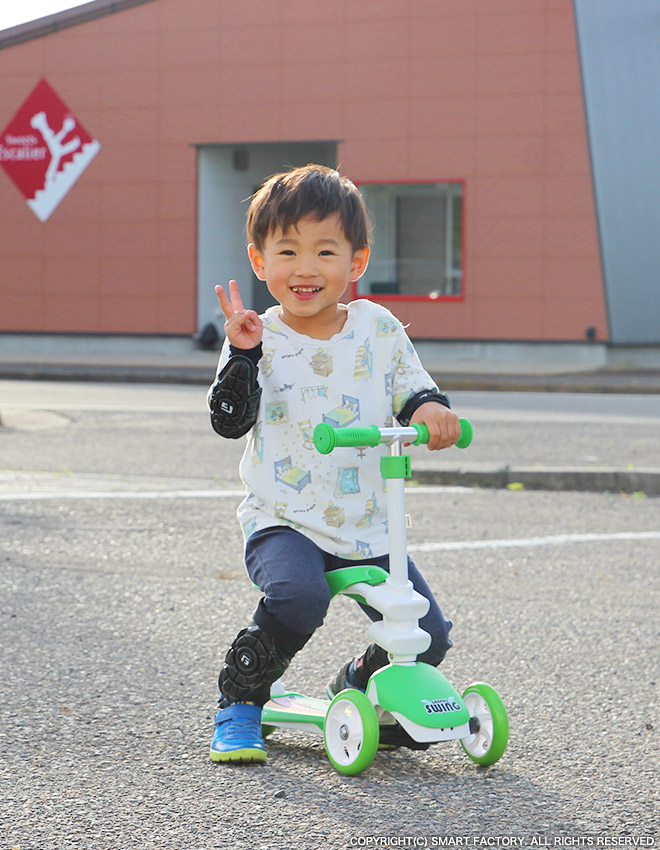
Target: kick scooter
407 692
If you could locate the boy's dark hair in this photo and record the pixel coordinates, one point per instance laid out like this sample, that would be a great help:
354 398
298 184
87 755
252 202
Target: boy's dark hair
311 190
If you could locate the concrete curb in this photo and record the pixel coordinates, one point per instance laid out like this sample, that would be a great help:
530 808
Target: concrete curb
646 481
641 382
113 373
593 382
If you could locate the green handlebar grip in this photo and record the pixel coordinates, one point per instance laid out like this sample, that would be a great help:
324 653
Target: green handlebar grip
466 434
326 438
422 434
463 441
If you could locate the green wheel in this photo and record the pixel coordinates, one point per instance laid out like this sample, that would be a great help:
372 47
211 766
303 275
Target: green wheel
489 724
350 732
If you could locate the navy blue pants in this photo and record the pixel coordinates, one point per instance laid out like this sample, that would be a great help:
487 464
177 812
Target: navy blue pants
290 570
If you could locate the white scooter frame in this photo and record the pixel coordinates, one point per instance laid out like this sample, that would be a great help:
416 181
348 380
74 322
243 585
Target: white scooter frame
414 695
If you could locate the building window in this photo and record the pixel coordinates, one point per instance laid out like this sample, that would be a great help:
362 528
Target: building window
417 242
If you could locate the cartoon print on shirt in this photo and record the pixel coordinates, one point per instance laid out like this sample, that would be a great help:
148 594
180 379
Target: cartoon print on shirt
347 481
402 365
334 515
364 360
320 391
321 363
266 362
371 511
307 431
279 509
362 550
277 413
257 445
272 327
348 411
386 326
290 475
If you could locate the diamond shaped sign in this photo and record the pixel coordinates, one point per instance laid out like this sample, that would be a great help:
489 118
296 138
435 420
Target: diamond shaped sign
45 149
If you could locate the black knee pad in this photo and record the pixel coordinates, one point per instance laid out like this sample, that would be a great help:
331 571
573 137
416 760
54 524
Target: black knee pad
250 667
258 657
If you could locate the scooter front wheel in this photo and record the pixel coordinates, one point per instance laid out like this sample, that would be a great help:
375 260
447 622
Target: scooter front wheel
350 732
489 724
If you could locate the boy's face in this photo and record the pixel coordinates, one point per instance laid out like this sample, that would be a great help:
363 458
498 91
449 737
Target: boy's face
307 270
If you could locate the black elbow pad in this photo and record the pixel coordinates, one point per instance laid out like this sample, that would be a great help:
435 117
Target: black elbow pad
417 400
234 400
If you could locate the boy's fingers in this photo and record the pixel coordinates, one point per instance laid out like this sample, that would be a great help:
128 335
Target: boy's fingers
443 432
435 435
251 319
453 431
232 304
235 296
225 304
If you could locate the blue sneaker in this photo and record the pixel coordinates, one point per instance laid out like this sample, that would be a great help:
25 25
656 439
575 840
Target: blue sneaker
237 737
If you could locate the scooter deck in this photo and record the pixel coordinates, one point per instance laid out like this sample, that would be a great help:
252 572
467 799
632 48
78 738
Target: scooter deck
295 711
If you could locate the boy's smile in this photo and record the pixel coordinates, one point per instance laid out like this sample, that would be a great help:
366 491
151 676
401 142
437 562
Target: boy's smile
307 269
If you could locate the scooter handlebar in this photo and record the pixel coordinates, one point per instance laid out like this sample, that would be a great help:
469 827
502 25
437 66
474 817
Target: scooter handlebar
327 438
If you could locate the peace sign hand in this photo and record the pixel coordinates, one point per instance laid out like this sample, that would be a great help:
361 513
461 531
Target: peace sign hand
243 328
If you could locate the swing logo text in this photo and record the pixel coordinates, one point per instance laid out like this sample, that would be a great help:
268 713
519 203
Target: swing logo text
440 706
44 149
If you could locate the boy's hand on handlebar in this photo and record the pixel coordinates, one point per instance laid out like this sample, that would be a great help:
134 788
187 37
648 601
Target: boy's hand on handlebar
443 424
243 328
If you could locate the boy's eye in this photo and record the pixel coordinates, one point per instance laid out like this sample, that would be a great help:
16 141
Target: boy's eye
287 252
327 253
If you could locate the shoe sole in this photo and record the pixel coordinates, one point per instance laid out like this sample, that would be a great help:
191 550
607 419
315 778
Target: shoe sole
246 756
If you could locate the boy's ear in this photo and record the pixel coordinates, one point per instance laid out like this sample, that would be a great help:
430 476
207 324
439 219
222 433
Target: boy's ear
256 261
360 263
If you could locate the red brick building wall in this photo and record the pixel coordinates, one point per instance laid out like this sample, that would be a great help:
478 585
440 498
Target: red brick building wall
487 92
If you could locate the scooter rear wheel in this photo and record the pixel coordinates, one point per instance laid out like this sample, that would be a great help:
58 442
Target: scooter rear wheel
489 722
350 732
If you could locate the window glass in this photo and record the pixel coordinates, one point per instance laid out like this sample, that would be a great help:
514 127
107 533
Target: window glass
417 240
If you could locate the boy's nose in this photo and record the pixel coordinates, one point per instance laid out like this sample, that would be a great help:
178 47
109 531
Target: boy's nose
307 267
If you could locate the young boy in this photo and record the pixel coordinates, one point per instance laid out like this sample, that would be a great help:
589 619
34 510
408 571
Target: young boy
307 360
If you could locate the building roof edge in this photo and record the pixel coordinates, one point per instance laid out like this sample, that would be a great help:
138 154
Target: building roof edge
63 20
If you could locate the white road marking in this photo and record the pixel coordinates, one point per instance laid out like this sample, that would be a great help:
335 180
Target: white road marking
39 495
529 542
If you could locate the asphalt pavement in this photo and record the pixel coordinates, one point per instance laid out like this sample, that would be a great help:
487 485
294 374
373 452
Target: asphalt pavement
122 584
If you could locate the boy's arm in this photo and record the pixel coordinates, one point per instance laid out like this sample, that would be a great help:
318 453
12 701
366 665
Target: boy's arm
234 398
427 406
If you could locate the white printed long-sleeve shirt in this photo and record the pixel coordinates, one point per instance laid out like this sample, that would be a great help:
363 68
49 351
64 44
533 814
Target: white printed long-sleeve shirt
362 376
